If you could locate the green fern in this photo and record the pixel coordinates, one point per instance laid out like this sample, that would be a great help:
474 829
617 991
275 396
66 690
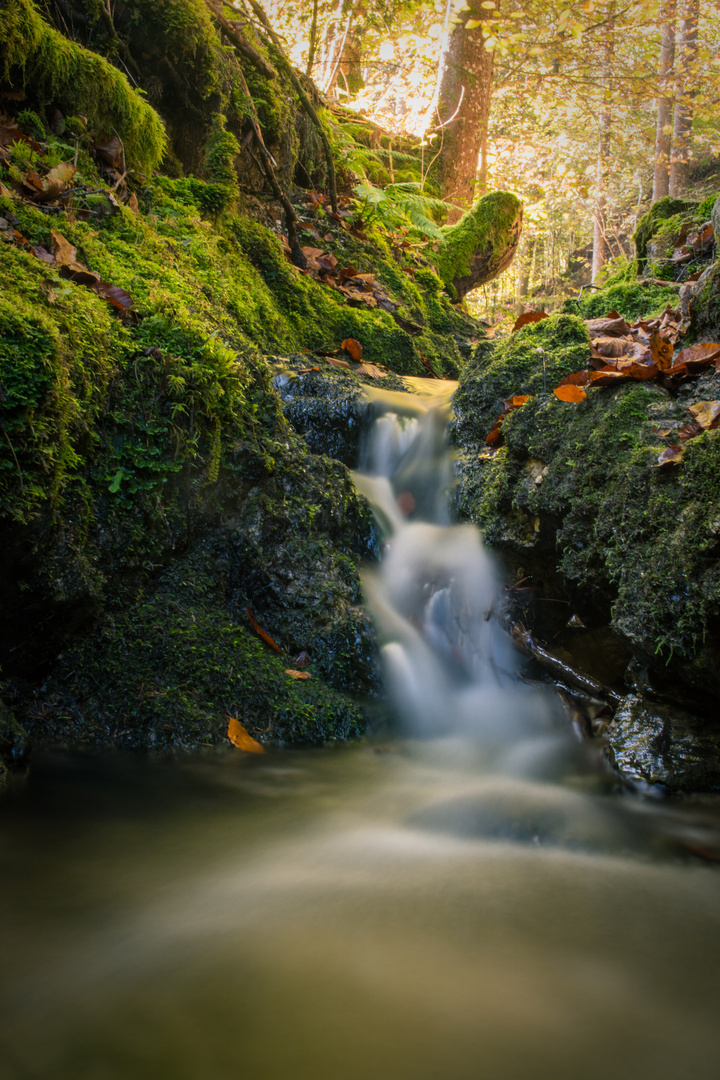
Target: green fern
401 205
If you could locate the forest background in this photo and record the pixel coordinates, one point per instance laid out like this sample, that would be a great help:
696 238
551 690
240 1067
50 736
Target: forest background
588 111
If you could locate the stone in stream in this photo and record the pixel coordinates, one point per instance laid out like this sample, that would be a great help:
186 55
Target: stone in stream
664 745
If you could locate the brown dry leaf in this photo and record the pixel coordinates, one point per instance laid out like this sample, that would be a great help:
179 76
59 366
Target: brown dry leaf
570 393
706 414
303 660
578 378
65 254
238 736
261 633
115 295
608 377
112 153
529 317
133 204
611 346
353 348
612 326
371 370
662 350
689 431
516 401
702 354
297 674
670 457
62 173
338 363
40 253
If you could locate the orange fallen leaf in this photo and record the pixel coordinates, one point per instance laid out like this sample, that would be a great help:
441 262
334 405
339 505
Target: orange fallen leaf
262 633
529 317
239 737
570 393
662 350
297 674
406 502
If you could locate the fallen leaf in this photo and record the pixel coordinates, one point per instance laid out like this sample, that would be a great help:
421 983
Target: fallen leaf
40 253
698 356
112 153
612 326
338 363
115 295
706 414
578 378
353 348
65 254
297 674
406 502
611 346
670 457
239 737
261 633
662 350
570 393
303 659
529 317
689 431
371 370
133 204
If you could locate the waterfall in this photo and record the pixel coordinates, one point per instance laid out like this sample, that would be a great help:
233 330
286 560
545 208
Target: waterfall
450 668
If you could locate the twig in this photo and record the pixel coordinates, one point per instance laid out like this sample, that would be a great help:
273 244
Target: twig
527 644
241 43
306 103
12 451
269 170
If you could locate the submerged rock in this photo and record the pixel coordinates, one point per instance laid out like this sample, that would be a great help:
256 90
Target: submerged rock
663 745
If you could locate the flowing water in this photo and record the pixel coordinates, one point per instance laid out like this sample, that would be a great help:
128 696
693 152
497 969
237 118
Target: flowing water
467 899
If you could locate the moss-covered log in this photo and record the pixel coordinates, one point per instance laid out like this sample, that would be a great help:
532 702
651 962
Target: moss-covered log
482 244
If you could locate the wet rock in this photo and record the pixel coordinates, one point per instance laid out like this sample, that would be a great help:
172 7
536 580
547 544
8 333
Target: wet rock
663 745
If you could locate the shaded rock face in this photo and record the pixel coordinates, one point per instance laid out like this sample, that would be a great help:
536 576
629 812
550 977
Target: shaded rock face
664 745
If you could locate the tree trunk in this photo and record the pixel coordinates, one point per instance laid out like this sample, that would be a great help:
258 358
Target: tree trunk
604 132
464 107
312 45
686 88
663 128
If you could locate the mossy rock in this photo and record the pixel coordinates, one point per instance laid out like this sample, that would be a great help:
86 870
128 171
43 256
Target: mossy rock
54 71
630 298
482 243
622 534
169 670
651 223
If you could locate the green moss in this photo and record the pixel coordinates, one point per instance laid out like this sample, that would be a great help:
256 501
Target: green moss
631 299
531 361
485 227
172 669
649 223
643 540
55 71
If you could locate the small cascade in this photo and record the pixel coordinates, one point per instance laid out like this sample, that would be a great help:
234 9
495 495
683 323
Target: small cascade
449 666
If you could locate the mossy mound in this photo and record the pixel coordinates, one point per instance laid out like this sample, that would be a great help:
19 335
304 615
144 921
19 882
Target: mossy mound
574 486
170 671
630 298
654 222
531 361
55 71
482 243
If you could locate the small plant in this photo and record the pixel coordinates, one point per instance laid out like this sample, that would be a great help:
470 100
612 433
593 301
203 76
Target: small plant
401 205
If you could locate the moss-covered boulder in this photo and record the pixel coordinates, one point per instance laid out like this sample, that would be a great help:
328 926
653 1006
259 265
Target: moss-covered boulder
482 244
574 491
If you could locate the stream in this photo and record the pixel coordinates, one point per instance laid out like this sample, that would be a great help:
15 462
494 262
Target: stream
469 897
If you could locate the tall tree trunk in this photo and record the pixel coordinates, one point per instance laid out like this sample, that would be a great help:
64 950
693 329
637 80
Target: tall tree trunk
348 65
464 100
312 45
686 88
663 128
604 132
